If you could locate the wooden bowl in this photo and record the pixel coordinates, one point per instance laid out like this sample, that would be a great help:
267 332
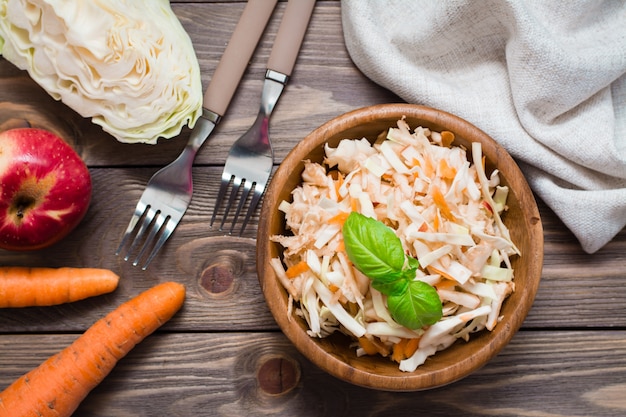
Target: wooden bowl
332 354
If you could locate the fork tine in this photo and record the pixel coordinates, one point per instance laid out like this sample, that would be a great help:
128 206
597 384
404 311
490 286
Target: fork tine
168 228
147 219
247 186
256 197
233 195
156 226
139 211
225 182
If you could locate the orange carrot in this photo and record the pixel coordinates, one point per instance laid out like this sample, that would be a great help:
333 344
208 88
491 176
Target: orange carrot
411 347
354 204
447 138
58 385
445 283
368 346
446 171
374 346
339 218
398 350
442 204
431 269
428 168
25 287
436 222
405 348
389 177
295 270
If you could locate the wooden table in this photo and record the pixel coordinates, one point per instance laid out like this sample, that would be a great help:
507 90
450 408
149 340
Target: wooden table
223 353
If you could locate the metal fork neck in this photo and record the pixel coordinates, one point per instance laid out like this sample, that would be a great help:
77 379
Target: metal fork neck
203 128
272 89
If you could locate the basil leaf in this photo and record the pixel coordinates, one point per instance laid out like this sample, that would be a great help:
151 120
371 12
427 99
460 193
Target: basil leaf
377 252
409 274
372 247
396 287
414 264
416 307
399 283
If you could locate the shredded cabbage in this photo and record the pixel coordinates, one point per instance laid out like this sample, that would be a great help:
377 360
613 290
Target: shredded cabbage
128 65
447 214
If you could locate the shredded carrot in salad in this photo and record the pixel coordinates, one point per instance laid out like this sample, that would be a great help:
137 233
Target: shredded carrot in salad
447 214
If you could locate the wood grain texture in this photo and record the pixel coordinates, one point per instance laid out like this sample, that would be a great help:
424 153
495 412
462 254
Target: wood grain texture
568 359
186 374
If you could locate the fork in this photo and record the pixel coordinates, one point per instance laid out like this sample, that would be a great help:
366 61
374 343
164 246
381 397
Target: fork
169 191
251 158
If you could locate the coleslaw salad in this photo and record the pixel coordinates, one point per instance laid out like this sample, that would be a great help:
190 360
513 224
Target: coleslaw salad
445 210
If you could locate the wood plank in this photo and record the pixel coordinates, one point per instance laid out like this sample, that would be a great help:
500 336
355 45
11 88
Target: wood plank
579 289
237 374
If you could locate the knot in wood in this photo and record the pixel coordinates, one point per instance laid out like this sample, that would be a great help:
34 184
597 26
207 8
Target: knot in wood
278 375
217 278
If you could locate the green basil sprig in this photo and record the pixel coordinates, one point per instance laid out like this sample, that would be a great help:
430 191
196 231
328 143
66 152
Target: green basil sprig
377 252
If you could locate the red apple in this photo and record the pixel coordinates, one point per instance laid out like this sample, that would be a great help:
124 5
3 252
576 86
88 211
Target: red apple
45 189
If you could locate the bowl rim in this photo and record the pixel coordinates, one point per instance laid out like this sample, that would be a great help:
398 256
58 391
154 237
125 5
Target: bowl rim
309 346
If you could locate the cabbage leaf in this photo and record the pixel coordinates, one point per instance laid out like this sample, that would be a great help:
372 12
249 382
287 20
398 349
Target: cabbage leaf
130 66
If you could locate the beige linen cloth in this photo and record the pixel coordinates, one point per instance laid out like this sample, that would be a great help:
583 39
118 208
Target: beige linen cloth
546 79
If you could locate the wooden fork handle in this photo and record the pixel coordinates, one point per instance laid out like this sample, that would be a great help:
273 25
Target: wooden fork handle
290 35
237 54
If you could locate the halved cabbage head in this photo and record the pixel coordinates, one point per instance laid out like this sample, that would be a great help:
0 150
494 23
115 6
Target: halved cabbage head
128 65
